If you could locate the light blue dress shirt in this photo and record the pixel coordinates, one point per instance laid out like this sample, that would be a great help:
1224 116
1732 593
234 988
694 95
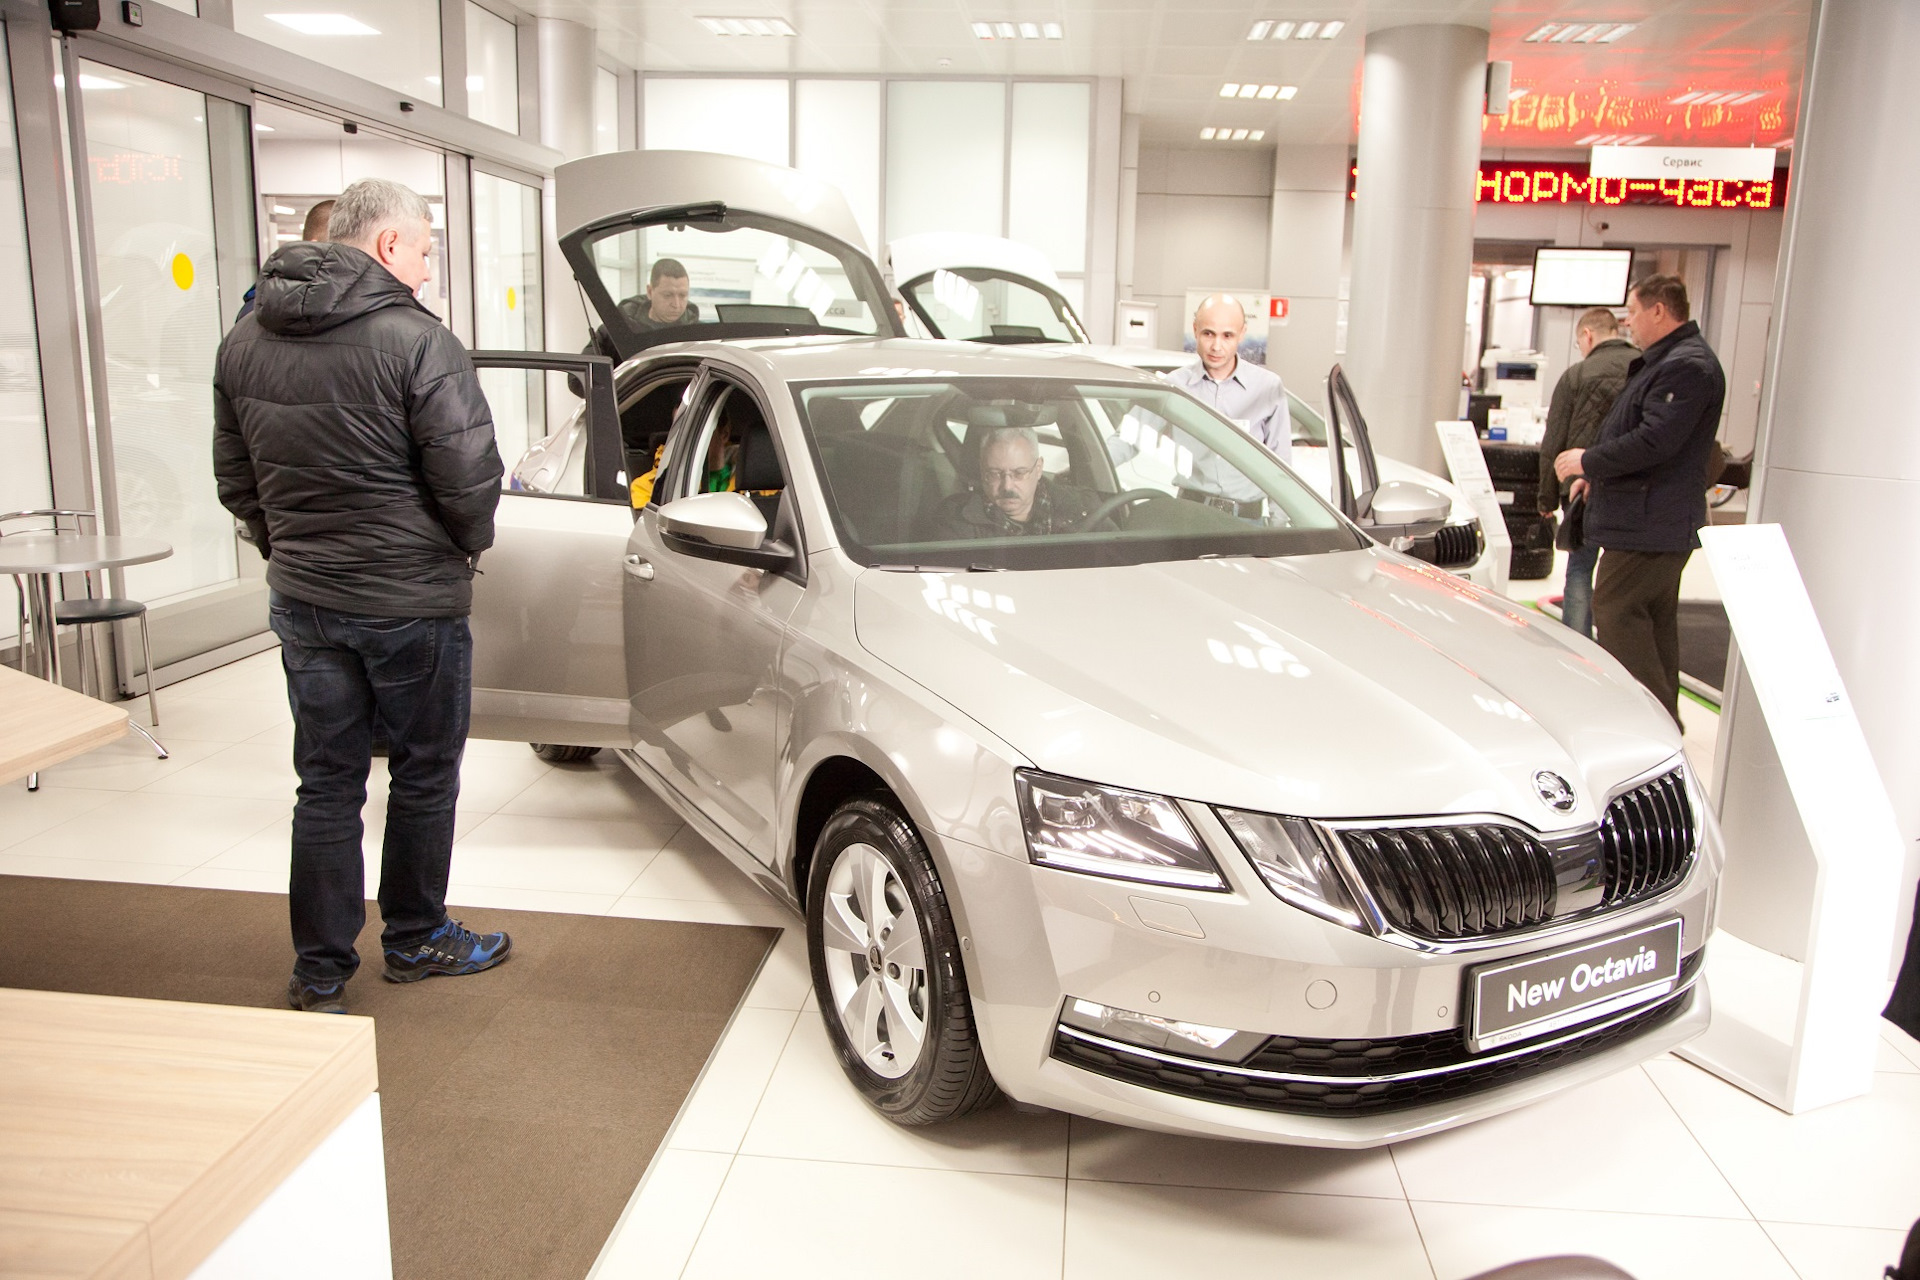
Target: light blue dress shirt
1253 399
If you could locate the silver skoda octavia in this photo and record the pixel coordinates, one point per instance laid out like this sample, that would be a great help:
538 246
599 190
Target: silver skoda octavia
1111 769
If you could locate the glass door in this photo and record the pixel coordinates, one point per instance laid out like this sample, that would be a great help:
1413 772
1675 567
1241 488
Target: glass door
164 224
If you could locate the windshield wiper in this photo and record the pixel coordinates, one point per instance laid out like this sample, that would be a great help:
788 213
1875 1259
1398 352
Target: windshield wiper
937 568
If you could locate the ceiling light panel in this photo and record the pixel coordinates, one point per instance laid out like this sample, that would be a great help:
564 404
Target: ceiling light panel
323 24
748 26
1261 92
1288 29
1018 31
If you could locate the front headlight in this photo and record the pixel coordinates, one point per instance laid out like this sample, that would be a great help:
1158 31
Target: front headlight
1295 862
1107 831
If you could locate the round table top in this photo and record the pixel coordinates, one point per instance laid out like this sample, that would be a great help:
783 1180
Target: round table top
76 552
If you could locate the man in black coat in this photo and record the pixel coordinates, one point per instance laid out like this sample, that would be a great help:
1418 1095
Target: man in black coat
1645 478
352 439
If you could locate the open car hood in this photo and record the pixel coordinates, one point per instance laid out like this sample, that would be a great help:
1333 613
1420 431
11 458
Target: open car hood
602 197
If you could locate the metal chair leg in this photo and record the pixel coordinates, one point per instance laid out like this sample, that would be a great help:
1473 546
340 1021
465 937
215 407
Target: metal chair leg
153 707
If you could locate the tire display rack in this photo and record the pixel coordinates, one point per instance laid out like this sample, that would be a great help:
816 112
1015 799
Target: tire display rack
1515 471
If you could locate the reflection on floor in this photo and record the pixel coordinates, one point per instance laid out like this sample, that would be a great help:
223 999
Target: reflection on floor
775 1168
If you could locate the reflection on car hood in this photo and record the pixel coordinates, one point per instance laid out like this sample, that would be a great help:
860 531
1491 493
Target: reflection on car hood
1346 685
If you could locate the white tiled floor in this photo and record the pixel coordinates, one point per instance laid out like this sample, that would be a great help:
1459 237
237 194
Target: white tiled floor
776 1169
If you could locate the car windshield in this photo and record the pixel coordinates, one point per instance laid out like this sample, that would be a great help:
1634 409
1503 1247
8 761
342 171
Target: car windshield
742 275
1308 426
1048 473
975 305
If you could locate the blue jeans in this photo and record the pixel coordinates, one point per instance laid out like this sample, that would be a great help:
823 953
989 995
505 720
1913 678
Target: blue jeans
416 676
1576 604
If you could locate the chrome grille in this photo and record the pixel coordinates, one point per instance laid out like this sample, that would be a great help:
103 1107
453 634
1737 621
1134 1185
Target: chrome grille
1451 883
1646 840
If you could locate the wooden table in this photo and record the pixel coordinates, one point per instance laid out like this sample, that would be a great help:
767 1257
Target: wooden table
135 1135
42 724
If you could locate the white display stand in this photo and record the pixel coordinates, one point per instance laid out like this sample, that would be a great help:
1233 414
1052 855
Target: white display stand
1468 467
1801 1034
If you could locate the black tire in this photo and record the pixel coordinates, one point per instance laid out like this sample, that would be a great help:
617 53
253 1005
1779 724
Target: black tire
554 754
948 1078
1530 565
1506 462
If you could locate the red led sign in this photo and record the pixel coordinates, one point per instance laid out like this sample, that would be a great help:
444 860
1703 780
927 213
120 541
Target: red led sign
1530 182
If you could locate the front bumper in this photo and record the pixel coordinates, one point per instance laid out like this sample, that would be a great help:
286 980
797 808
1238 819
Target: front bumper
1034 937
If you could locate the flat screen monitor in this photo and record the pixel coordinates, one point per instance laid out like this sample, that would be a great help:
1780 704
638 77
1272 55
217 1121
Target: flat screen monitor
1581 277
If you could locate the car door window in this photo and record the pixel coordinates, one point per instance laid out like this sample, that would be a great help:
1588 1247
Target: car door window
732 450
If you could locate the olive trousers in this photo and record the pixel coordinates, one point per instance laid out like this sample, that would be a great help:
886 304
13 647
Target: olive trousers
1636 617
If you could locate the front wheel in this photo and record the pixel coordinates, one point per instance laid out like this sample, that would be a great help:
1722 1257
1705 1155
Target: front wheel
886 969
553 753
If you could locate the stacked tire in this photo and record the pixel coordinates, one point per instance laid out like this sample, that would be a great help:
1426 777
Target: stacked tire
1515 471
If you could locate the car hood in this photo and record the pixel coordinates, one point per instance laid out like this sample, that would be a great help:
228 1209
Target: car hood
1356 684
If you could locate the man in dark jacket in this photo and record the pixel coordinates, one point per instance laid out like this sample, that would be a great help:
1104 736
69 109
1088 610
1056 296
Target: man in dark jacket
1581 399
1646 485
352 439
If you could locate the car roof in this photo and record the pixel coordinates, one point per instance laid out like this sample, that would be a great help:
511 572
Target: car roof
808 359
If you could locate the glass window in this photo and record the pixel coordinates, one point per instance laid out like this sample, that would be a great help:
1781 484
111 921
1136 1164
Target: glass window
507 314
733 117
493 69
729 271
149 179
837 140
1047 202
606 111
391 42
946 156
978 305
1045 473
23 428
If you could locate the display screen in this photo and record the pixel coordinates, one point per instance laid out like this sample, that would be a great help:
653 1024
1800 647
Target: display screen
1571 182
1580 277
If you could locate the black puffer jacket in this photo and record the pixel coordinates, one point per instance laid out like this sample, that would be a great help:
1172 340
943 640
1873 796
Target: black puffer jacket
351 436
1648 469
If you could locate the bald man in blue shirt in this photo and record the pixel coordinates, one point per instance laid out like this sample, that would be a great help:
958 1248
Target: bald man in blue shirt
1246 394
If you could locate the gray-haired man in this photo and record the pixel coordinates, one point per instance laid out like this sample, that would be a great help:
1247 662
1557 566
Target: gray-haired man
352 438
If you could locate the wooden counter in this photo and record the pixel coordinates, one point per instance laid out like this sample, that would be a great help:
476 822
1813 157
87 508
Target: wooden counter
42 724
135 1135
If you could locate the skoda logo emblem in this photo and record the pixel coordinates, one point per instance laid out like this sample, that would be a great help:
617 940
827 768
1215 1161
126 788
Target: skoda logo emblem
1554 791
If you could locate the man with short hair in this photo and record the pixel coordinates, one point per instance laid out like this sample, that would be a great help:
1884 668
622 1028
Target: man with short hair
352 439
1246 394
1645 478
1015 496
1581 399
665 304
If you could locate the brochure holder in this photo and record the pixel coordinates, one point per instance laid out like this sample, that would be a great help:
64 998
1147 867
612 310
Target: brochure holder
1468 468
1803 1033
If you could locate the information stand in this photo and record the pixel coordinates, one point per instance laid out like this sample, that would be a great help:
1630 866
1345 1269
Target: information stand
1468 467
1801 1034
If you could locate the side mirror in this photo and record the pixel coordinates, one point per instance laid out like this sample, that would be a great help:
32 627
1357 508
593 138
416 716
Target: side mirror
722 526
1404 502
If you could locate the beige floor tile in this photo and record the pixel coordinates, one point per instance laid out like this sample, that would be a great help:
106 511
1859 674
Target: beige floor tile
180 831
808 1219
716 1115
1112 1153
1850 1164
127 764
571 855
1120 1230
1904 1044
664 1218
605 789
767 912
13 864
688 867
1464 1240
1572 1152
1838 1253
810 1111
785 978
244 770
1889 1058
210 718
25 814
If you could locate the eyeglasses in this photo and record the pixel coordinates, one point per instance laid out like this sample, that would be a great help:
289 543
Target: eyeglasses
994 475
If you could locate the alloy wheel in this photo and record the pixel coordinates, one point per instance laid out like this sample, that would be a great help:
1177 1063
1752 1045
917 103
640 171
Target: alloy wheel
876 962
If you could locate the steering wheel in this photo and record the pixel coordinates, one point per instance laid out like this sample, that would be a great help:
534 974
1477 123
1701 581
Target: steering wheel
1107 508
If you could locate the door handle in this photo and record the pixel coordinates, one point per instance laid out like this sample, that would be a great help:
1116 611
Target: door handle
639 568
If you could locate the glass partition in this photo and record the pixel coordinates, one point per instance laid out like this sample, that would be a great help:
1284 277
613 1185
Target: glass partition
493 69
23 426
507 312
391 42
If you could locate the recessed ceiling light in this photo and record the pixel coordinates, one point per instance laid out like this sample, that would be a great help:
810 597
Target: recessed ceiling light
262 128
1283 30
1687 97
323 24
1328 30
1029 31
983 30
1240 135
1206 134
1308 30
1018 30
1566 33
1287 91
1541 32
1258 134
1587 141
1267 90
748 26
1258 31
1745 98
1229 90
1619 29
1249 90
1052 30
1005 30
285 211
1260 91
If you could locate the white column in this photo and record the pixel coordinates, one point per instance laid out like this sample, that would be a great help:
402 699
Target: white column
1309 225
567 62
1422 91
1839 454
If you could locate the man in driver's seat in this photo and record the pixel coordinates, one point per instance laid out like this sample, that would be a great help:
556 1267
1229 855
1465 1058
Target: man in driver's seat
1015 494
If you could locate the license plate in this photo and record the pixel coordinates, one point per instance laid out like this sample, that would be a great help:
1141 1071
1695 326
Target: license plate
1517 999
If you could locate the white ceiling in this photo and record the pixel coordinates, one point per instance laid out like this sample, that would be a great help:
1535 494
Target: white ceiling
1174 55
